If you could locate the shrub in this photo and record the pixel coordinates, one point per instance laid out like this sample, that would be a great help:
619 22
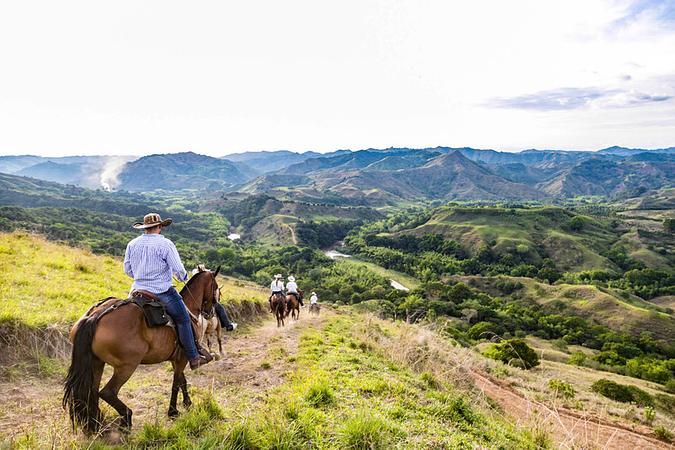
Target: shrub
621 392
670 386
561 388
484 330
663 434
514 352
650 414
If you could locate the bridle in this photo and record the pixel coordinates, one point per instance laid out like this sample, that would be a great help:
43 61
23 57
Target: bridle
216 297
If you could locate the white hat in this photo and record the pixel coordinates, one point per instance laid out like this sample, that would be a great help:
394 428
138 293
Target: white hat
291 278
278 276
313 293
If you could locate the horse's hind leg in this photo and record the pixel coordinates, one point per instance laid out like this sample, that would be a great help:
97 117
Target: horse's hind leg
109 393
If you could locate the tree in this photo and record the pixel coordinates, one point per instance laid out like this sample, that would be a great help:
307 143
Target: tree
669 225
577 223
514 352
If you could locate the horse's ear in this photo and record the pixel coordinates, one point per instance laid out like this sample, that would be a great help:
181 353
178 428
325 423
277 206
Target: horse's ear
215 274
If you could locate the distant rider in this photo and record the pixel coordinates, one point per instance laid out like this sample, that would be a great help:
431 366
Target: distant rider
313 300
151 260
292 288
277 287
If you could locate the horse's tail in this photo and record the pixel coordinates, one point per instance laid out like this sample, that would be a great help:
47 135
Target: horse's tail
80 396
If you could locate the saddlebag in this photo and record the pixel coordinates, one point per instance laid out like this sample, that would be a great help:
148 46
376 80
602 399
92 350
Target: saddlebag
155 314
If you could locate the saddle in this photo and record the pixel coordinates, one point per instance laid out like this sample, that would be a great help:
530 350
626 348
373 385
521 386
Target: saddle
153 309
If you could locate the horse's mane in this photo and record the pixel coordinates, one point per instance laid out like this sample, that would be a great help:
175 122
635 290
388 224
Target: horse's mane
190 281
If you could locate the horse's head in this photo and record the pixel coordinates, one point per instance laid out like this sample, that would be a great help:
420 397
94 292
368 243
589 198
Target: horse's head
203 288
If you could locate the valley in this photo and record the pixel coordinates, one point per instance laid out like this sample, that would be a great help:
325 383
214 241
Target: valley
456 258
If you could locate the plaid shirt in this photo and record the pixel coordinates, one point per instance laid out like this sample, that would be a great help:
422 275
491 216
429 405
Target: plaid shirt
151 260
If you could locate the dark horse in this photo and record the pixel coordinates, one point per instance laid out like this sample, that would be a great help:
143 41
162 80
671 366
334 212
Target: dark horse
119 336
279 307
293 304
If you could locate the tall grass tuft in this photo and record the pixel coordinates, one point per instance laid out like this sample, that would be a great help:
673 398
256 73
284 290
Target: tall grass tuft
320 394
241 437
364 432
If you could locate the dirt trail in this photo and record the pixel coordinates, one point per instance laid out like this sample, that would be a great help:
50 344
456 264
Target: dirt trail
569 429
238 380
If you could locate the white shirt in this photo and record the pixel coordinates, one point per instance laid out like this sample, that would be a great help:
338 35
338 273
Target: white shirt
313 299
277 286
292 287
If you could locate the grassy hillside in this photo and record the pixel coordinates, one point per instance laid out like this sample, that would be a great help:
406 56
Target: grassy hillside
618 311
532 233
402 278
43 283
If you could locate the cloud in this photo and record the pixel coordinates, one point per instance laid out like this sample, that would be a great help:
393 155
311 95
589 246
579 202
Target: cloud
577 98
660 13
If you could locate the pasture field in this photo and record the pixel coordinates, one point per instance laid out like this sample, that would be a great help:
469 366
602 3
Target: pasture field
405 279
43 283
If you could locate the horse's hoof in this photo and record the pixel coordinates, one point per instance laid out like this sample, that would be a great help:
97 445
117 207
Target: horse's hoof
187 404
173 413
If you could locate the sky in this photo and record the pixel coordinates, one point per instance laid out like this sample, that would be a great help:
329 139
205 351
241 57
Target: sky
218 77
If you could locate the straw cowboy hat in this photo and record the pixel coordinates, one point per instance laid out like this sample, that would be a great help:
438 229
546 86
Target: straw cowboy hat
313 293
291 278
277 276
152 220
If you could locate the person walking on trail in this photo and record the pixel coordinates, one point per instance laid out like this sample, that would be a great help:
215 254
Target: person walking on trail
292 288
224 319
152 260
277 287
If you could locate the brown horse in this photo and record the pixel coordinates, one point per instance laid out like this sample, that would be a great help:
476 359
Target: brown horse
279 308
117 334
293 304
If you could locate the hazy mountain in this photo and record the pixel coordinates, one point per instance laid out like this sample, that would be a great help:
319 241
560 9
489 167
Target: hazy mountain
12 164
623 151
86 171
51 171
601 176
270 161
176 171
447 176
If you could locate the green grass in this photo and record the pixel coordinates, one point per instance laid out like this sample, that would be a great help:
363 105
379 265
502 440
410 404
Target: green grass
342 396
44 283
404 279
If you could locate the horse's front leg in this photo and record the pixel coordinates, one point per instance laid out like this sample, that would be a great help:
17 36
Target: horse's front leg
187 402
175 386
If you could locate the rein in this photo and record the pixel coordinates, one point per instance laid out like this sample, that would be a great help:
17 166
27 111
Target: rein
193 317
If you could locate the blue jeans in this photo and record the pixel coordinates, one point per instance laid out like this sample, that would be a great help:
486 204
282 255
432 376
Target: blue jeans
177 310
222 316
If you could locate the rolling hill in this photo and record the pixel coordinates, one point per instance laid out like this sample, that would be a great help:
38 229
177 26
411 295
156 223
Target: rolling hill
178 171
531 233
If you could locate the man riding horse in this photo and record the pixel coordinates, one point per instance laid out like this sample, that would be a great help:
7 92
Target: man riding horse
151 260
292 289
277 288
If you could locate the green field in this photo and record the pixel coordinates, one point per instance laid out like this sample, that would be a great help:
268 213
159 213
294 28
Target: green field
402 278
43 283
